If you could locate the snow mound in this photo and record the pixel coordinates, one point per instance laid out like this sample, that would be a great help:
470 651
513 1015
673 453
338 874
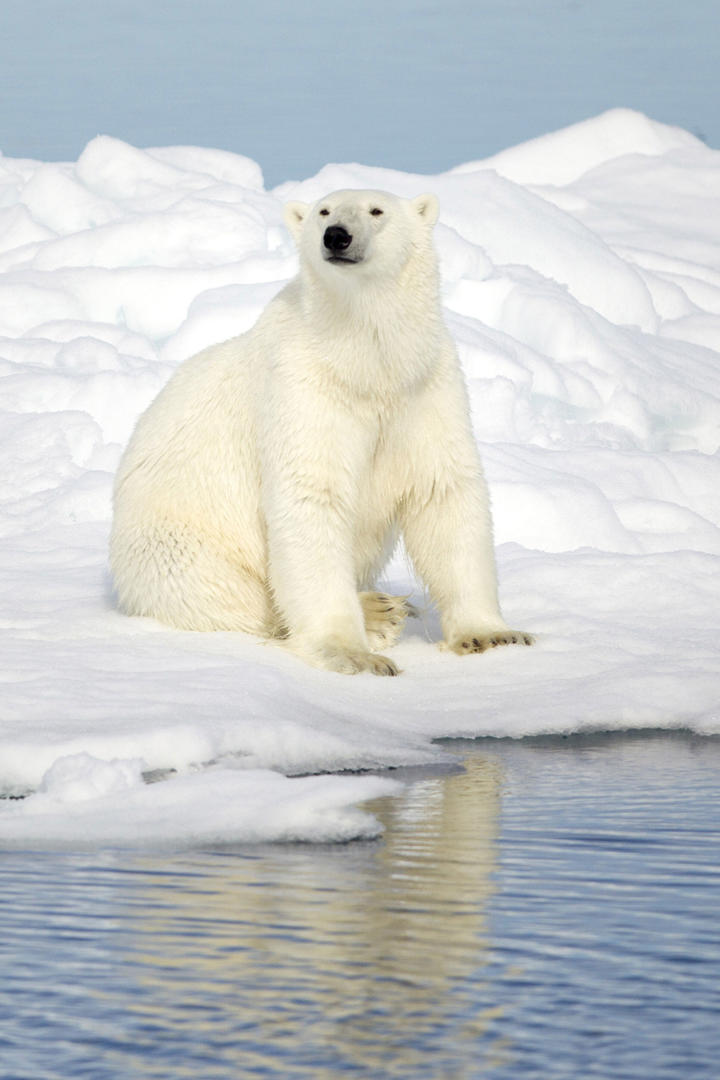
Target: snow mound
564 156
581 280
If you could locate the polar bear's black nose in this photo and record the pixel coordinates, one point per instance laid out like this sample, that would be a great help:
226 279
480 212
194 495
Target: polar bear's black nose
336 238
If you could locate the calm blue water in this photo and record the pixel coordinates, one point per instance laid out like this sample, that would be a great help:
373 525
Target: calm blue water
413 84
550 912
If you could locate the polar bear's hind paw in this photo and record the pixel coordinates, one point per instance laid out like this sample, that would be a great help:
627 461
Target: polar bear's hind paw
381 665
385 617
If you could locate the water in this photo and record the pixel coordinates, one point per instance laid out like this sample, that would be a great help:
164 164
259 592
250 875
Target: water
410 85
551 911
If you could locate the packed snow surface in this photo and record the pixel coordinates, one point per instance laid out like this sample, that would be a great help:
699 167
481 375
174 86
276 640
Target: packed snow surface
581 280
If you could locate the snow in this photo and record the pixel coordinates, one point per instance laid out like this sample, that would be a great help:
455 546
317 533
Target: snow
84 801
581 280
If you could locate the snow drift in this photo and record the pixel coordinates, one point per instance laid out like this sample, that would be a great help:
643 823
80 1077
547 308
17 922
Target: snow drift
581 280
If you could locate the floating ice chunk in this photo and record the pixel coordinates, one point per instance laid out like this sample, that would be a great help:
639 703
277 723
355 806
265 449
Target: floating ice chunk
106 803
79 777
24 763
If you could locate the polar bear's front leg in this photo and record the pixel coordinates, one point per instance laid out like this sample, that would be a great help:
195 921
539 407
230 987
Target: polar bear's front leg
447 527
313 582
444 515
314 588
449 539
311 507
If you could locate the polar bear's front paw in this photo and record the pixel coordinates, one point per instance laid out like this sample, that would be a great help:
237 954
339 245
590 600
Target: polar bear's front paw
336 654
385 617
352 661
478 643
381 665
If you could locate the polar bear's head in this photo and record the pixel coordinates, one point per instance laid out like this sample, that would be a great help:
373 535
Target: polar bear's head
361 234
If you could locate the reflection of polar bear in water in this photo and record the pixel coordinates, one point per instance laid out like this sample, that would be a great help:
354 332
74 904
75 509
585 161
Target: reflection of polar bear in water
264 488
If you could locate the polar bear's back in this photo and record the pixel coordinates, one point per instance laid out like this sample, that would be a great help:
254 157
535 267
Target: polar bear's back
185 442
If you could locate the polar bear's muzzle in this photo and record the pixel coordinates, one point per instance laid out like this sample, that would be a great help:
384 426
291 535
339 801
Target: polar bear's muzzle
337 245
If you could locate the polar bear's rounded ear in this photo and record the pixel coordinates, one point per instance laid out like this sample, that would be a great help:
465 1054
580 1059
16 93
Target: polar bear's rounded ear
428 207
294 214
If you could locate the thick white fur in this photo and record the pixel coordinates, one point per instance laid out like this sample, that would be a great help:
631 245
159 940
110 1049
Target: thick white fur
265 487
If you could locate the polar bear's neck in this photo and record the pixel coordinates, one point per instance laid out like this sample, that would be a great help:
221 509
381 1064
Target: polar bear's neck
378 337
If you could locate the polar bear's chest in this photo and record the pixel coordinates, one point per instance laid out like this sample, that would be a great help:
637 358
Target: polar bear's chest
380 363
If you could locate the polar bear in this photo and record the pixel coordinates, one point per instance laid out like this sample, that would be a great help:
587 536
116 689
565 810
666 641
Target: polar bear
265 487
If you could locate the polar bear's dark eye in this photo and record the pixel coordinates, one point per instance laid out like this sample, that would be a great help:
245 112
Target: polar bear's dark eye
324 212
376 211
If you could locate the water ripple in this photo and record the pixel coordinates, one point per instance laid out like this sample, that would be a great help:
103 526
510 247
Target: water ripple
550 912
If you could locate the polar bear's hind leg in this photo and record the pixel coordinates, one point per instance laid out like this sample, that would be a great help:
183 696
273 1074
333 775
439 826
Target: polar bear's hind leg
171 575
